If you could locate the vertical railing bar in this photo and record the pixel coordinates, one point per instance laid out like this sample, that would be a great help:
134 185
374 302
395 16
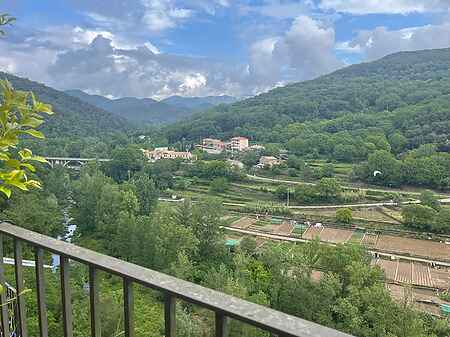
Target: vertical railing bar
40 286
169 315
221 325
128 307
21 306
65 295
94 301
3 296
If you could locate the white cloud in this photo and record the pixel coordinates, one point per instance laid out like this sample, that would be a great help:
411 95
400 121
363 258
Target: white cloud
104 62
361 7
305 51
382 41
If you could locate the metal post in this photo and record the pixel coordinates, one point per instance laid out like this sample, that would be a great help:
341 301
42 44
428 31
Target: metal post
221 325
169 315
3 297
21 307
66 298
94 301
40 287
128 307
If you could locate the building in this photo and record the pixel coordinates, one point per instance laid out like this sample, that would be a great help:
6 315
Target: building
238 144
212 145
164 153
268 161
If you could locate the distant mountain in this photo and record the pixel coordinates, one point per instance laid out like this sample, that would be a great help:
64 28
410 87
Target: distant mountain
73 117
198 103
148 110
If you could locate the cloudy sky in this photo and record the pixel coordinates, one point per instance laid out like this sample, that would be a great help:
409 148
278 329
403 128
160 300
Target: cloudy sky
158 48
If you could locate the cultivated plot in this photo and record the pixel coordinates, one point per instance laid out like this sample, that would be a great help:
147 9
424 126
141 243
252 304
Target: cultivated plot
414 247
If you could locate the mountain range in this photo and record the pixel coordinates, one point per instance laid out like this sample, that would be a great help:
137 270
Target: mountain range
73 117
147 110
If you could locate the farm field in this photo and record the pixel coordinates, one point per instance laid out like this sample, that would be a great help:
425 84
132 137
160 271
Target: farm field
285 228
414 273
243 223
328 234
419 298
414 247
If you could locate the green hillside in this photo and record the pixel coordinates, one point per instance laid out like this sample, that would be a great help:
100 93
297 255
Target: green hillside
395 104
73 117
395 92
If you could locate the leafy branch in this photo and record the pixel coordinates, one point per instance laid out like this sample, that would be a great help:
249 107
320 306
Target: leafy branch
20 114
5 19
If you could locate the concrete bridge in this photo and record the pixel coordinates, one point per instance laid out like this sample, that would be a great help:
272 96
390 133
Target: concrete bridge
73 163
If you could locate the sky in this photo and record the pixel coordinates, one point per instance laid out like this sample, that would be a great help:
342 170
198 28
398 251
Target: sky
159 48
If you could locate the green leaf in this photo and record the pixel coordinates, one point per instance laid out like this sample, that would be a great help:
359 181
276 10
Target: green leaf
34 133
39 159
6 191
28 166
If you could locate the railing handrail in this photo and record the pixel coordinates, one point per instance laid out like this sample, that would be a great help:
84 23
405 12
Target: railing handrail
230 306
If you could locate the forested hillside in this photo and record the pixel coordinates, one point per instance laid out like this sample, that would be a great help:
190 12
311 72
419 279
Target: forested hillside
73 117
395 104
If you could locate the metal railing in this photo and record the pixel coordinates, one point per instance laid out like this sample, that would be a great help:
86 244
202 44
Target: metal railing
224 306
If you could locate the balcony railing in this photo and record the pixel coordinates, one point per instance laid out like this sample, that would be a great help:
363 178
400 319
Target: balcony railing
224 306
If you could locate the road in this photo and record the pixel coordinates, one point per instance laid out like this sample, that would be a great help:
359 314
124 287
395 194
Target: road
291 239
367 189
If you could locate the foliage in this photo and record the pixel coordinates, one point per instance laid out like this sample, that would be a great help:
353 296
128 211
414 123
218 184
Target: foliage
5 19
218 185
425 218
344 215
20 115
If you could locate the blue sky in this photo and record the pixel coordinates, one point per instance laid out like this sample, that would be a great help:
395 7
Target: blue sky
158 48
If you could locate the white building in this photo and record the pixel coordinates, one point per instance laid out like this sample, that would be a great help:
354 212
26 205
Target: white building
164 153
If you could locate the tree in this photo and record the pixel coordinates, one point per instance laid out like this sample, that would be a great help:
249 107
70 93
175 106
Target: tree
327 171
247 245
384 169
441 223
146 191
218 185
250 158
125 162
418 216
427 198
281 192
20 115
344 215
206 216
329 188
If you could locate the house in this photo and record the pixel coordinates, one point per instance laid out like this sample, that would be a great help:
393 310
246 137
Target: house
164 153
212 145
256 147
238 144
268 161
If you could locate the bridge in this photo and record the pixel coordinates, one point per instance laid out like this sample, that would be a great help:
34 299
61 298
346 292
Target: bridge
73 163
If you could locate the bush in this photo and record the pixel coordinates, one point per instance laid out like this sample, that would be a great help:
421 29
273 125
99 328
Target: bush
344 215
218 185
